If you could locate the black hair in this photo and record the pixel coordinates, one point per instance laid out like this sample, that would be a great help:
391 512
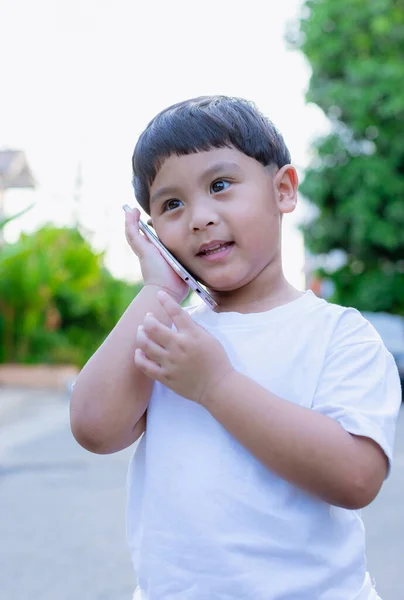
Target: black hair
200 124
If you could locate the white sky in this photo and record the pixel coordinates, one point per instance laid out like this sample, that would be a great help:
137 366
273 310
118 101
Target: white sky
81 79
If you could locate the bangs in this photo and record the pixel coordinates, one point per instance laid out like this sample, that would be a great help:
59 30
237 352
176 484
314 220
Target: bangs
200 125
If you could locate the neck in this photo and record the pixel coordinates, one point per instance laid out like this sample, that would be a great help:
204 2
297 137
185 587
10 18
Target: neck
266 291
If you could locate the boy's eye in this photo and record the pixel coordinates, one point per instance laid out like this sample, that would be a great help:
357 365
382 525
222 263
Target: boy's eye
219 185
171 204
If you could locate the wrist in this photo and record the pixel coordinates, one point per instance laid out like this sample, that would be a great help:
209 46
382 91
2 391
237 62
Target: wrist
157 286
221 387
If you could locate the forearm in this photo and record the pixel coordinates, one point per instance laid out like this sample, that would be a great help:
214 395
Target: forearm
302 446
111 394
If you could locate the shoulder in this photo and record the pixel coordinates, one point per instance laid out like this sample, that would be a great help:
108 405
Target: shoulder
350 343
353 328
348 325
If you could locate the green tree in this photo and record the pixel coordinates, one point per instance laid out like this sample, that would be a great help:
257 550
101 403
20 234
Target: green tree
356 180
57 300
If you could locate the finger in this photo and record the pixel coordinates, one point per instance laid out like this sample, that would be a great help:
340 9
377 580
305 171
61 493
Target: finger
136 240
157 331
147 366
179 317
150 348
132 233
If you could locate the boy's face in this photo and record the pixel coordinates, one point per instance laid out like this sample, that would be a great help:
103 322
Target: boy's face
219 212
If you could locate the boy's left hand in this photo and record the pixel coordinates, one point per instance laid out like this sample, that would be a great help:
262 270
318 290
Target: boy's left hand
189 361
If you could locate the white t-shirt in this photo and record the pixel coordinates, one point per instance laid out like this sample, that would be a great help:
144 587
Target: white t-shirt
206 520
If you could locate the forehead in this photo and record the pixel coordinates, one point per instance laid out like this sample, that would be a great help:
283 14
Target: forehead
180 169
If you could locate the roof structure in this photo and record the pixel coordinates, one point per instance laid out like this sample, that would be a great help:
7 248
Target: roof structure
15 171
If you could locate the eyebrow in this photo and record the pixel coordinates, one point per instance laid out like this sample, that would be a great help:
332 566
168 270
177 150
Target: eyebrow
221 166
230 167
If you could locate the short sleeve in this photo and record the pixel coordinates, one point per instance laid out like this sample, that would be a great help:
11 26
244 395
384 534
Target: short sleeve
359 384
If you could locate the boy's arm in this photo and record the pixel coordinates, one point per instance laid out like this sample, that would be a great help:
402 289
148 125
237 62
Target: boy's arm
301 445
111 395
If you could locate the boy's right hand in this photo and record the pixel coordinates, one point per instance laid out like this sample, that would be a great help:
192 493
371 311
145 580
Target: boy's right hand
155 269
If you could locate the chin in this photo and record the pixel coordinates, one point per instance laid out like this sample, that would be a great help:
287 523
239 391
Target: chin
227 281
224 285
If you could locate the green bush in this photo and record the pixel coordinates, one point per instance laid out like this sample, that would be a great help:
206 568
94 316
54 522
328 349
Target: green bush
57 300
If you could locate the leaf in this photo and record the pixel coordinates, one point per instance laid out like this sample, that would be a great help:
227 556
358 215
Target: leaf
4 222
356 180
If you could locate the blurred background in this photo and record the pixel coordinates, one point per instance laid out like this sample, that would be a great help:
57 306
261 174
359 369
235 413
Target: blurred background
79 82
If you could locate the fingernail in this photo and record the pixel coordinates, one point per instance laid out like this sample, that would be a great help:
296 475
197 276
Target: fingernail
127 208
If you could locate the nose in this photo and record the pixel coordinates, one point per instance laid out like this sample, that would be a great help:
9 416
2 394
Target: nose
203 215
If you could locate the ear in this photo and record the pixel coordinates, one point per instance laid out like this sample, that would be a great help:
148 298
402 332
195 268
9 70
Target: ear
150 222
286 182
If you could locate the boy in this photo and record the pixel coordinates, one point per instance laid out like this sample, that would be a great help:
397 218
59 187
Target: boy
270 421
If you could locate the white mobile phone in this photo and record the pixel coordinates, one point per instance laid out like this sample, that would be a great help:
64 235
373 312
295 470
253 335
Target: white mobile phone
177 266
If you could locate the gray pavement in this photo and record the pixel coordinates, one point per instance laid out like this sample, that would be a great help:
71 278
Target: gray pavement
62 512
384 523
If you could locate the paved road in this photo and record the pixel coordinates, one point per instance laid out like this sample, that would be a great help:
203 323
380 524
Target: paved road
62 514
62 527
384 522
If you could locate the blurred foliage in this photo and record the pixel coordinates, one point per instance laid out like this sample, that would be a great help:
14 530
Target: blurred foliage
57 300
356 180
4 222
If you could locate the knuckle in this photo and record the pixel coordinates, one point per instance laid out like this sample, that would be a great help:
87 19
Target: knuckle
168 377
147 347
182 344
144 345
130 239
150 325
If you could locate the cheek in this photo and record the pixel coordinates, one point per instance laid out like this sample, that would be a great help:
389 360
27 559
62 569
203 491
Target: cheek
171 235
165 228
261 239
259 227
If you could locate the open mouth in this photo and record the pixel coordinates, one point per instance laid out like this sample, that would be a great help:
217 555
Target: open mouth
215 249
